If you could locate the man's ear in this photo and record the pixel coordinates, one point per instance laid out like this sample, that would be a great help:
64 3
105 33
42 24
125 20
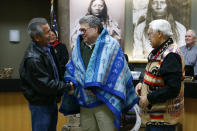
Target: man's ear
96 28
160 33
36 38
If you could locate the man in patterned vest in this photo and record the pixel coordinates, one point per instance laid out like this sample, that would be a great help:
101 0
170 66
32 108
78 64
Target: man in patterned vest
162 91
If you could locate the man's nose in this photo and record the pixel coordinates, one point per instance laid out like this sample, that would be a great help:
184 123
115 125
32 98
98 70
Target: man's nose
97 7
82 32
158 5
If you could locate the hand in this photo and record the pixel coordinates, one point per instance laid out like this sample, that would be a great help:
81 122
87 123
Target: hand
143 101
71 92
138 89
91 93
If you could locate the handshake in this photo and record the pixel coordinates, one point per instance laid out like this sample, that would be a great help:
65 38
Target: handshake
69 88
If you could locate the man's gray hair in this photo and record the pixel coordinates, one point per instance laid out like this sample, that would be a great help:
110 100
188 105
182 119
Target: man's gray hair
161 25
193 32
34 26
92 21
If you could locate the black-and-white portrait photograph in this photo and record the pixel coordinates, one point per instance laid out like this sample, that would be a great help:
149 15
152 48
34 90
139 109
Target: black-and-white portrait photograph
176 12
110 12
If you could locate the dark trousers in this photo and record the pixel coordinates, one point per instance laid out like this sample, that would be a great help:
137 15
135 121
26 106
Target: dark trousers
160 128
44 118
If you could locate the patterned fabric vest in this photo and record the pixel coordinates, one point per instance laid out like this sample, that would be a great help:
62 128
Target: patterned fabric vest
170 112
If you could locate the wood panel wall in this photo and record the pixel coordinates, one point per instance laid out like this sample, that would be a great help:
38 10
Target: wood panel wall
15 114
190 117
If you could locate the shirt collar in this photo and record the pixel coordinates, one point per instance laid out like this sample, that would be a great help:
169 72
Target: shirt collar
189 48
91 46
47 48
169 41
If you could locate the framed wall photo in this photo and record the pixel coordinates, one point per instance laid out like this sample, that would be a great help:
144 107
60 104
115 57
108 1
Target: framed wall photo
176 12
111 13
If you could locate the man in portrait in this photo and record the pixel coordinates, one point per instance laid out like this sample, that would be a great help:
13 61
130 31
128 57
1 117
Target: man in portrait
156 9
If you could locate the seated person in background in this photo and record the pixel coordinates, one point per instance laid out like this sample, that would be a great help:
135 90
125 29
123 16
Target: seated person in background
190 50
60 50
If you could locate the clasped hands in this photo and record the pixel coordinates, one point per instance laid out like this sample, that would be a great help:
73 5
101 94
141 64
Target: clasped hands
72 88
143 98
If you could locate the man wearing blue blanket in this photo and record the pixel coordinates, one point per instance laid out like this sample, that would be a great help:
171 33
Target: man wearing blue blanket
101 77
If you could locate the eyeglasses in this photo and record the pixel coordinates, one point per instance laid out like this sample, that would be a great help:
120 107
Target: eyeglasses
83 30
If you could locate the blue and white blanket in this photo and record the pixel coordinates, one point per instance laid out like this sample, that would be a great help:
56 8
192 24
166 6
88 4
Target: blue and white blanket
107 78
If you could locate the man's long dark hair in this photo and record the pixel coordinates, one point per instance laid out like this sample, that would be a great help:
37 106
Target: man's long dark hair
103 15
169 17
